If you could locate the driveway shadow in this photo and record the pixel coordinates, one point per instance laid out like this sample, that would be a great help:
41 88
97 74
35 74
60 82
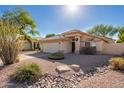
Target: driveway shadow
86 62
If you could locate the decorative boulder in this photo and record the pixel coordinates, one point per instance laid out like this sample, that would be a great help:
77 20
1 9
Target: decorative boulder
75 67
63 68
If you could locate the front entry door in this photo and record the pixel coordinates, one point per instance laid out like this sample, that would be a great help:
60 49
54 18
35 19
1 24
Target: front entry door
73 47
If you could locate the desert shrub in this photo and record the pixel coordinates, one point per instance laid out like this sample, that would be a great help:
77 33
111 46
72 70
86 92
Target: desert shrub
56 56
29 74
88 50
9 42
117 63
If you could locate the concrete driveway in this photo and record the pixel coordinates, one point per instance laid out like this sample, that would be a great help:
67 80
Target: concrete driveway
86 62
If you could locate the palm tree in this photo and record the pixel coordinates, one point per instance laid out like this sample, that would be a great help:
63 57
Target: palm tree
23 18
120 34
103 30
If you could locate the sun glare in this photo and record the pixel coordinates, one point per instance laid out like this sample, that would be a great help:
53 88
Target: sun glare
72 8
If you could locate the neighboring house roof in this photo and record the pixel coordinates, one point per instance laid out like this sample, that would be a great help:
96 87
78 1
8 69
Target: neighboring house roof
62 37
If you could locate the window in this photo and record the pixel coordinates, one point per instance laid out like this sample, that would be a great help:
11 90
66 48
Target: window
87 44
90 44
93 44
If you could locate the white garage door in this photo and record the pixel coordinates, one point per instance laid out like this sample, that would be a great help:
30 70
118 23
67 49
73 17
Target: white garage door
51 47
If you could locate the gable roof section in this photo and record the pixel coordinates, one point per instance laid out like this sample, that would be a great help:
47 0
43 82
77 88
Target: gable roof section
84 33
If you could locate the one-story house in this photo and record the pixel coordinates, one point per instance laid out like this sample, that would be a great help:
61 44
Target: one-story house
72 42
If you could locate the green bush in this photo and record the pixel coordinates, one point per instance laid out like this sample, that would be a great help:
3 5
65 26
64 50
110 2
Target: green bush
56 56
117 63
29 74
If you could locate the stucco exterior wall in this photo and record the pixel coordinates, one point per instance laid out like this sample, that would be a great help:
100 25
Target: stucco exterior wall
99 46
84 38
65 47
77 44
114 48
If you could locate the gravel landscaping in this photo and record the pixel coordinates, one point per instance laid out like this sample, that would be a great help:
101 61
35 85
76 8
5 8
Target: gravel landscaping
66 80
110 79
97 76
58 81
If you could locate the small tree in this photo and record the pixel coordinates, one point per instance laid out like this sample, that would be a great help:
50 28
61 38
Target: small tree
49 35
9 41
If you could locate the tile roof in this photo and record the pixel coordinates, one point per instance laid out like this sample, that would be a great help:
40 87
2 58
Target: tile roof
54 37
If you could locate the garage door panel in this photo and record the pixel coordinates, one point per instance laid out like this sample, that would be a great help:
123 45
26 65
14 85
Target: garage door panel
51 47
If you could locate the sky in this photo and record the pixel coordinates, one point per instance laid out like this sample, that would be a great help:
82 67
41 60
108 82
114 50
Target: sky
58 19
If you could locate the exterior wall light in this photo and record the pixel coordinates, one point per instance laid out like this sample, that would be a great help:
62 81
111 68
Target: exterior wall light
76 39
